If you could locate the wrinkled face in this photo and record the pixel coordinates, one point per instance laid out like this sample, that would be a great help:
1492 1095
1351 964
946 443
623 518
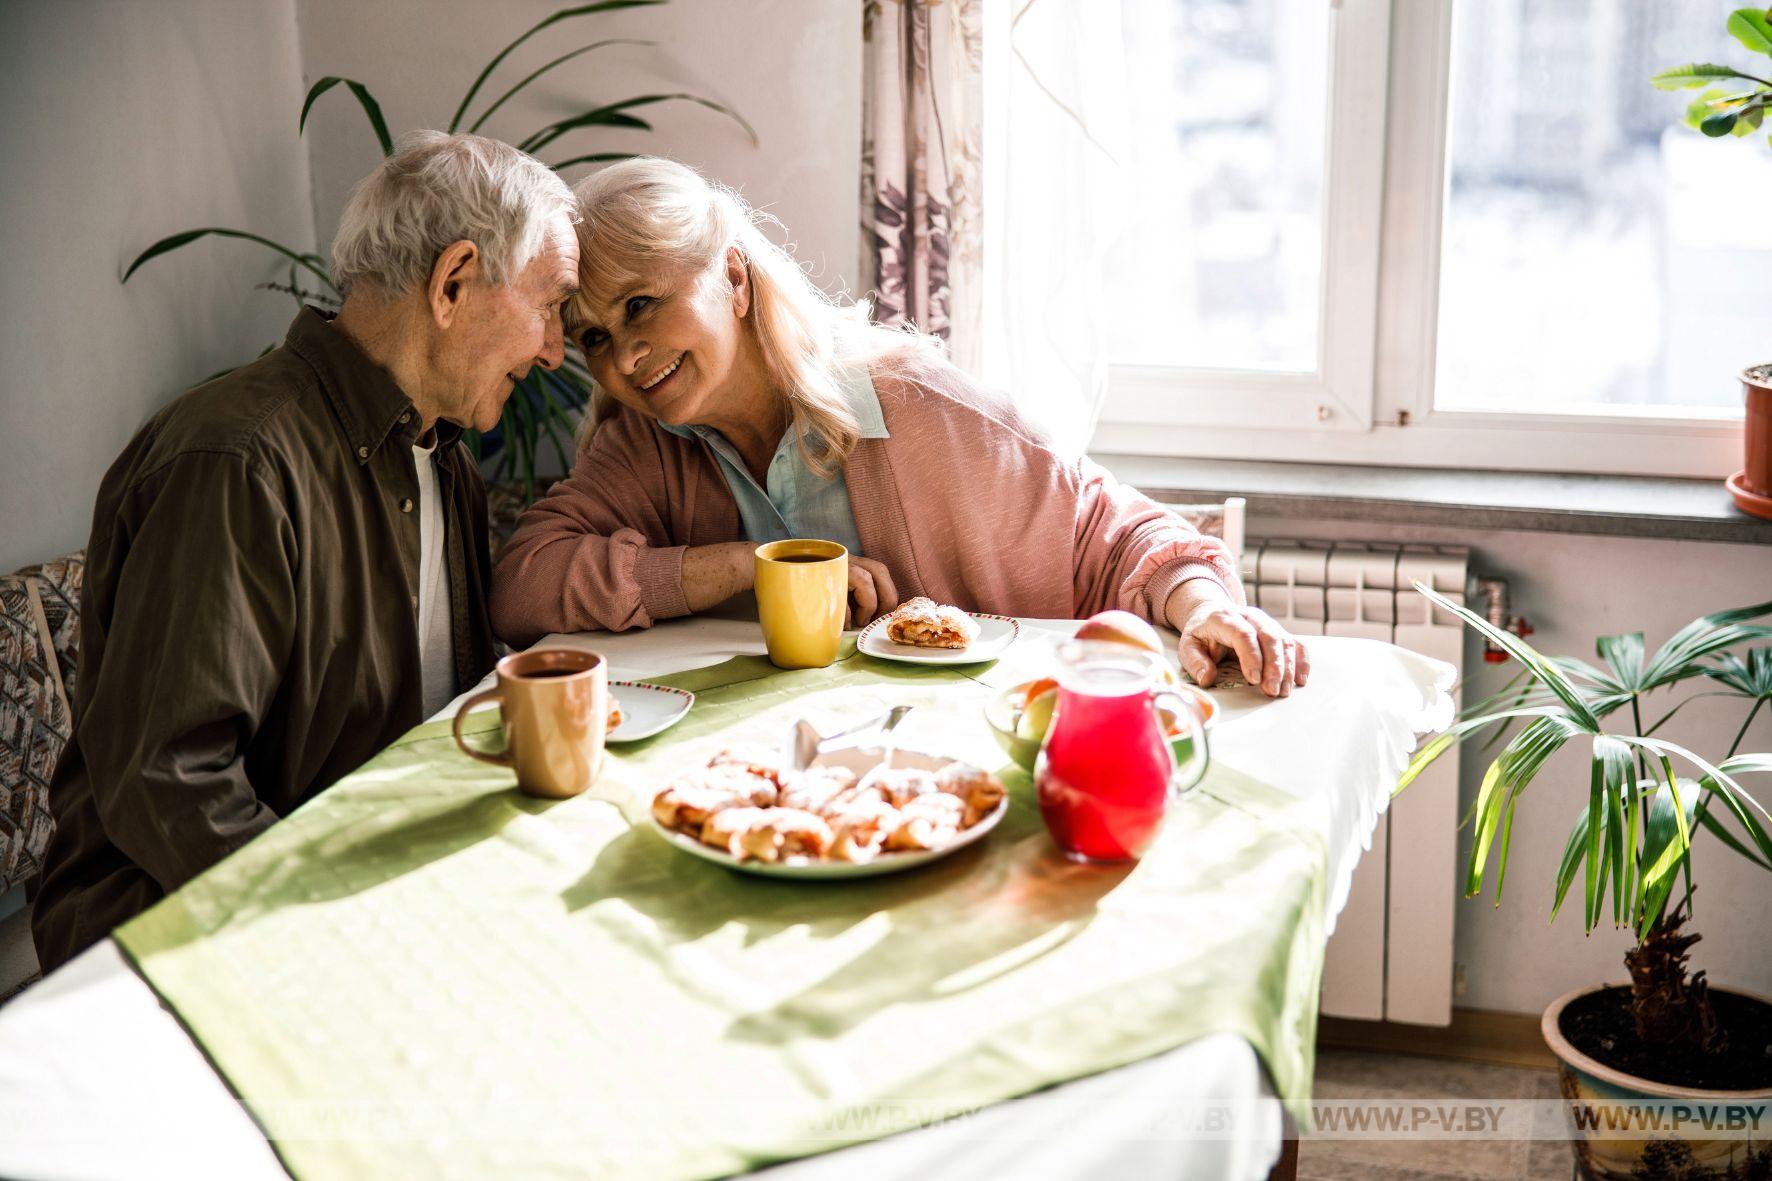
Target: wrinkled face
669 343
500 331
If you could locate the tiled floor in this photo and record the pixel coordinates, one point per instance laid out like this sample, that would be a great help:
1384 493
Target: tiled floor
1350 1074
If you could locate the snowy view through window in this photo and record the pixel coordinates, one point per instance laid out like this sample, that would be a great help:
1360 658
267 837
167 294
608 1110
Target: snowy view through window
1596 255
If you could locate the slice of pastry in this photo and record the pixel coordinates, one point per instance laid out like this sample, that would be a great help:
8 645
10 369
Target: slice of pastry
810 790
978 789
927 822
755 758
767 834
688 800
901 785
860 829
923 623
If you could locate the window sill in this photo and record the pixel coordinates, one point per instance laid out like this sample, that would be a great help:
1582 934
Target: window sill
1621 506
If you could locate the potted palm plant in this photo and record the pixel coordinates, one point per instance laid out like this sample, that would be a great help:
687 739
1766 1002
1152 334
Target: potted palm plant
1734 104
544 408
1665 1035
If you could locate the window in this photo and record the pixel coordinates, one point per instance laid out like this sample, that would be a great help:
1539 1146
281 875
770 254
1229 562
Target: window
1436 233
1230 190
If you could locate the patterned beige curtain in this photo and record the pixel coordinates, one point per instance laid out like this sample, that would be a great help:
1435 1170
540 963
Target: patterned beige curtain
921 170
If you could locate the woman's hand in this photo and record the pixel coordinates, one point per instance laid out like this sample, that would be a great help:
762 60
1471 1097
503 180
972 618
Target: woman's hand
1211 625
871 593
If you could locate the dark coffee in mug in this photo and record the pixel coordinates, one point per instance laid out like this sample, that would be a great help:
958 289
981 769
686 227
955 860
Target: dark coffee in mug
804 558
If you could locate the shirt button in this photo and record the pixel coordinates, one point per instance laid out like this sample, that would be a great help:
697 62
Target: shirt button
406 416
406 505
362 453
415 602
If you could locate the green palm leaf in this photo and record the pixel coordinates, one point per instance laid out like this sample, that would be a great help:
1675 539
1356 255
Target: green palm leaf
1749 674
561 60
616 115
1553 678
563 14
364 98
1675 660
173 242
594 158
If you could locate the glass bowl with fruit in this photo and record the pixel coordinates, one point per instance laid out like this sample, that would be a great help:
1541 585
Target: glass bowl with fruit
1020 715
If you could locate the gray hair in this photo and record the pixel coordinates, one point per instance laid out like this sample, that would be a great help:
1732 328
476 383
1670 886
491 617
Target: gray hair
438 189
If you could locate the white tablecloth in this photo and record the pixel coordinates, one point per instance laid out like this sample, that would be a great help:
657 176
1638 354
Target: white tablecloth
99 1081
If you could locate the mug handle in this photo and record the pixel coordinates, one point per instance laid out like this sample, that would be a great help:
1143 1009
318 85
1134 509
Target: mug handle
1180 780
502 759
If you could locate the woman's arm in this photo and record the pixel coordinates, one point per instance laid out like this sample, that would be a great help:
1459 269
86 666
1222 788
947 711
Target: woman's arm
1162 567
607 548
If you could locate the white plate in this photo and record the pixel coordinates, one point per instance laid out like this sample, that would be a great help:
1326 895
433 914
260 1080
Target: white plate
995 634
647 709
858 760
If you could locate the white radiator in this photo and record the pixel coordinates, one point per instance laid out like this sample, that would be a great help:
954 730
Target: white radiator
1390 957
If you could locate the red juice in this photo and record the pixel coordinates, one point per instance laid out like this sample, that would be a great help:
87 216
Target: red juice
1103 775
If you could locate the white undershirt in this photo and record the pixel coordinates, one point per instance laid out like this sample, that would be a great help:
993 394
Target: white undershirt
436 639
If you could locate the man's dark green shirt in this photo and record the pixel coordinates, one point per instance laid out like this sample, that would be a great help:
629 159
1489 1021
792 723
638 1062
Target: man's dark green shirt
248 630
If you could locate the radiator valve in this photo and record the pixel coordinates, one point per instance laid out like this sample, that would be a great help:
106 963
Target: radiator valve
1493 592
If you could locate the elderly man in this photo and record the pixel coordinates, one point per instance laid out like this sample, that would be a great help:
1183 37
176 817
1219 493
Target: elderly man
288 565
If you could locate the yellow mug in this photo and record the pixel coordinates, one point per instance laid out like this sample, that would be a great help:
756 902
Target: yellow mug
555 707
802 592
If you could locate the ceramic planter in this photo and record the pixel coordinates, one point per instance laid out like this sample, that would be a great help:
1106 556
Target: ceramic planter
1638 1149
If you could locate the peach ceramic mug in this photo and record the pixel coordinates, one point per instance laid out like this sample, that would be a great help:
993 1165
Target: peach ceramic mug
555 705
802 592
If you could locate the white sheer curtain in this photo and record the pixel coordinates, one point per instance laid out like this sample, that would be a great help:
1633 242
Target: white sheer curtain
1056 179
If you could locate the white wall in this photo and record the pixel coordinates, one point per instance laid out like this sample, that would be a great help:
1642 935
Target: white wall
791 67
125 122
1573 589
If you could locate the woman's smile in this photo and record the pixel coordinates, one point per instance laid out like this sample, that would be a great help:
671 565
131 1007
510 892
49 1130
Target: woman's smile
661 376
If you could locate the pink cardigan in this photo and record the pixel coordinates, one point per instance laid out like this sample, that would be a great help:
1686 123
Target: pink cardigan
965 503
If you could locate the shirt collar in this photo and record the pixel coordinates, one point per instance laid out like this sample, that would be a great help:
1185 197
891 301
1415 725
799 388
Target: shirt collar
857 386
370 405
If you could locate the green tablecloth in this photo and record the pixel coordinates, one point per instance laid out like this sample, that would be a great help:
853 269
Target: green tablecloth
423 972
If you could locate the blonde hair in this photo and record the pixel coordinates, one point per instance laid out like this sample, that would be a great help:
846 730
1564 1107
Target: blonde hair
437 189
650 213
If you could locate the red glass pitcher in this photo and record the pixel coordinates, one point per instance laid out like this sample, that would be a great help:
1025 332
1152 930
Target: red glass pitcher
1107 771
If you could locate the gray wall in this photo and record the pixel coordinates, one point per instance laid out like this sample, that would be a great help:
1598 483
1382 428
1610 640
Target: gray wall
1573 589
124 122
791 67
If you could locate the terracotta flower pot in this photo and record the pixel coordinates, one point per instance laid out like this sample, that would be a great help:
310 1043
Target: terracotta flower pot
1638 1146
1756 384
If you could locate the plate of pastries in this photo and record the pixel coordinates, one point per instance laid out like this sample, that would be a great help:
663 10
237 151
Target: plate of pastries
922 631
853 813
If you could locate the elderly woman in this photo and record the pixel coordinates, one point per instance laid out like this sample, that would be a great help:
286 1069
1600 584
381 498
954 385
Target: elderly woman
737 405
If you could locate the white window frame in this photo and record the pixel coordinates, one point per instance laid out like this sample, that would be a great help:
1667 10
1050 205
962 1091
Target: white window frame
1371 399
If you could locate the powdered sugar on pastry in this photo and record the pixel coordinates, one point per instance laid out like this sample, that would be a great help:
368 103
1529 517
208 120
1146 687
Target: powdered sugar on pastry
924 623
767 834
978 789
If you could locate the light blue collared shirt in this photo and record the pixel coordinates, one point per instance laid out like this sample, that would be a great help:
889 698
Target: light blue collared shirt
793 500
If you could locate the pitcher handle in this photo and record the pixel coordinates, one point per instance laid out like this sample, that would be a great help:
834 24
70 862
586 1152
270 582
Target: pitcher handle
1186 772
498 758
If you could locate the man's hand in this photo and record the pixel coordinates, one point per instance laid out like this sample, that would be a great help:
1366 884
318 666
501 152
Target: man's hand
1211 625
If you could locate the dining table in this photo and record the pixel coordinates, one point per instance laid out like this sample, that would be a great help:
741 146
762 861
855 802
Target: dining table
101 1077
